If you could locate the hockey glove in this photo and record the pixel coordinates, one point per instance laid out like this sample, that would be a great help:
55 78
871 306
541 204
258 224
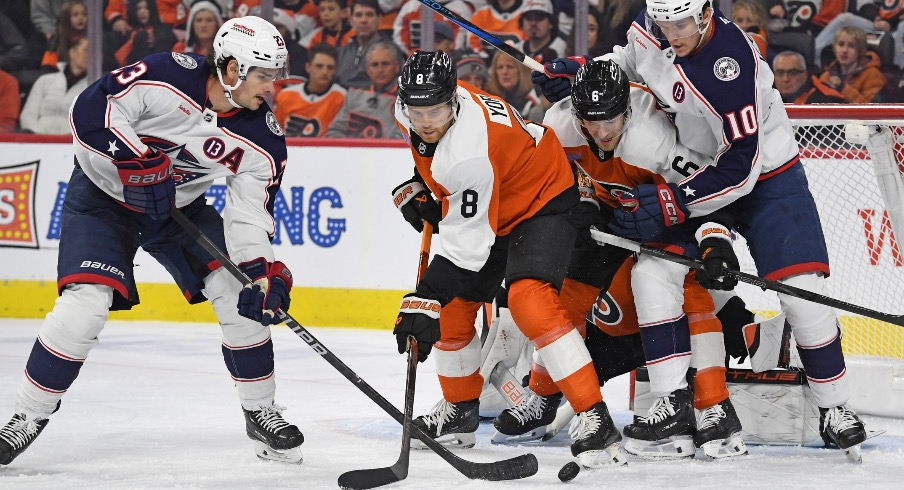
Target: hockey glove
419 317
717 255
147 183
417 205
553 81
647 210
268 291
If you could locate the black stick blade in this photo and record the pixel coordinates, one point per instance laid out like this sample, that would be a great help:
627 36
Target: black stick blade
370 478
515 468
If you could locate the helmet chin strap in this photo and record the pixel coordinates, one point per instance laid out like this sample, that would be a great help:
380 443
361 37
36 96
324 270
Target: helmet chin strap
227 89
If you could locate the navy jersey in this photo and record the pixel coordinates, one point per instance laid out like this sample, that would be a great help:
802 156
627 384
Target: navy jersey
161 102
724 105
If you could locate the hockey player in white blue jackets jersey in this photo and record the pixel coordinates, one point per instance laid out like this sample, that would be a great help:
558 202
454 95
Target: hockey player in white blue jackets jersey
153 135
709 75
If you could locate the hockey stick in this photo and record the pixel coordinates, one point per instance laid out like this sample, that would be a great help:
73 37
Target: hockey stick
606 238
377 477
482 34
510 469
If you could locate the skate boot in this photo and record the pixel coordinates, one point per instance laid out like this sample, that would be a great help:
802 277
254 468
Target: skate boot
667 430
450 424
274 438
768 344
719 431
17 435
840 426
596 439
528 420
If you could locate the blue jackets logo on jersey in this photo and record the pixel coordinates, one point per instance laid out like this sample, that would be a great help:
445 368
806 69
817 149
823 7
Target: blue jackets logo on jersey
726 69
185 166
185 61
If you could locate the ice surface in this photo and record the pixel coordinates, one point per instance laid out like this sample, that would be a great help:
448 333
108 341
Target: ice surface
154 407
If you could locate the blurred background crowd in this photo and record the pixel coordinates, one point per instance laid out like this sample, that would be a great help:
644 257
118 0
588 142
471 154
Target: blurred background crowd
345 55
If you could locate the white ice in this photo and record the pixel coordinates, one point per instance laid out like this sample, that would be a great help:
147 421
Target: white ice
154 407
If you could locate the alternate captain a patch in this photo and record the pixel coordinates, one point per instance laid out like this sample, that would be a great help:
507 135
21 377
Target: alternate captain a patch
726 69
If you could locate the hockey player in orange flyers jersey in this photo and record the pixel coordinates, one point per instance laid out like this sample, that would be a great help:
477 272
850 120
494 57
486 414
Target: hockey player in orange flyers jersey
507 201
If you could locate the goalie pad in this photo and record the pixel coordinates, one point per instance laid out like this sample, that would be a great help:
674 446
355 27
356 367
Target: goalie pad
774 407
505 345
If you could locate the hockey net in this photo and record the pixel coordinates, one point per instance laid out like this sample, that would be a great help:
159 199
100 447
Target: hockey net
866 261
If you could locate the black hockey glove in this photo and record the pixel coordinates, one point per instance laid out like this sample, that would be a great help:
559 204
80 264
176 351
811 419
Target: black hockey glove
417 205
419 317
717 255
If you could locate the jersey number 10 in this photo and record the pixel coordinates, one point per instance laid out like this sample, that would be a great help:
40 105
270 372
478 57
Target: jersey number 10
747 126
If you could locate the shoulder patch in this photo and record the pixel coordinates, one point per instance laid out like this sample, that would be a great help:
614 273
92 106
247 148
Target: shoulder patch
726 69
185 61
273 124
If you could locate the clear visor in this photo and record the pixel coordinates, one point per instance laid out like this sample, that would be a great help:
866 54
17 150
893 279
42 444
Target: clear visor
262 74
430 117
603 131
673 30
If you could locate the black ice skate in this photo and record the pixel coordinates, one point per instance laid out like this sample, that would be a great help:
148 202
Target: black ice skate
451 424
274 438
596 439
528 420
719 432
17 435
667 430
768 344
840 426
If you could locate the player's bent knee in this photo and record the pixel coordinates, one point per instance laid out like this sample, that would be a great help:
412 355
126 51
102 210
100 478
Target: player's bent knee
812 323
77 319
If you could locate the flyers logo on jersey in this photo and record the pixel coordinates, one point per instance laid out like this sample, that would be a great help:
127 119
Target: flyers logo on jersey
496 109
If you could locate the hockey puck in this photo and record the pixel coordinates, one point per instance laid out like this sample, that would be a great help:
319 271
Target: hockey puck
569 471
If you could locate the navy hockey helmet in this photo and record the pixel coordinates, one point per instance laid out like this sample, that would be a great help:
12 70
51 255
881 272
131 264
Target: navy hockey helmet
428 78
600 92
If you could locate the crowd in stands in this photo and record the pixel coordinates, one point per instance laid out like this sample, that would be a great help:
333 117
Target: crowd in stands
345 55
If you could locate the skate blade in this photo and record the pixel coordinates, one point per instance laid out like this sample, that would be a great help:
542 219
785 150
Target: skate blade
854 454
676 447
530 436
267 453
729 447
874 433
463 440
606 458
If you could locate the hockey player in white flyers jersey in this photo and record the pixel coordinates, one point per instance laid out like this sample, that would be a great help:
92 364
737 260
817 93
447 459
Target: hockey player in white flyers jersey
149 136
708 73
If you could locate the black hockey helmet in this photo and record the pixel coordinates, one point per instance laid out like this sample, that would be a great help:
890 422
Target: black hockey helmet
600 91
428 78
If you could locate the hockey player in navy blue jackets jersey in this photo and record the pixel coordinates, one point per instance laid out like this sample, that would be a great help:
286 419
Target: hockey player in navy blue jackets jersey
147 137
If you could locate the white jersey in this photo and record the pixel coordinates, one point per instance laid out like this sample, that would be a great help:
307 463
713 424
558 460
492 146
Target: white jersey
724 105
648 152
161 102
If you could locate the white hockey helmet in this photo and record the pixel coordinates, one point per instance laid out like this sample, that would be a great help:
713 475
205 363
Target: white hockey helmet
670 11
253 42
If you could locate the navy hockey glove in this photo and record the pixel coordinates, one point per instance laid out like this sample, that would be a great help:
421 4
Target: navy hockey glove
417 205
147 183
647 210
717 255
419 317
268 291
553 81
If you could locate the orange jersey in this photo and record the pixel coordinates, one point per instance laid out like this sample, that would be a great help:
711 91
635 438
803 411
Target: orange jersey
491 170
306 114
406 30
335 38
502 25
649 151
172 12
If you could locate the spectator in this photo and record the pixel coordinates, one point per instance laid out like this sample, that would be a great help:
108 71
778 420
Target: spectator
204 19
369 113
71 27
538 21
336 30
47 109
750 16
500 18
795 83
511 81
12 46
45 15
406 30
444 38
9 102
472 69
148 34
305 12
307 109
855 72
365 20
298 54
617 16
171 13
